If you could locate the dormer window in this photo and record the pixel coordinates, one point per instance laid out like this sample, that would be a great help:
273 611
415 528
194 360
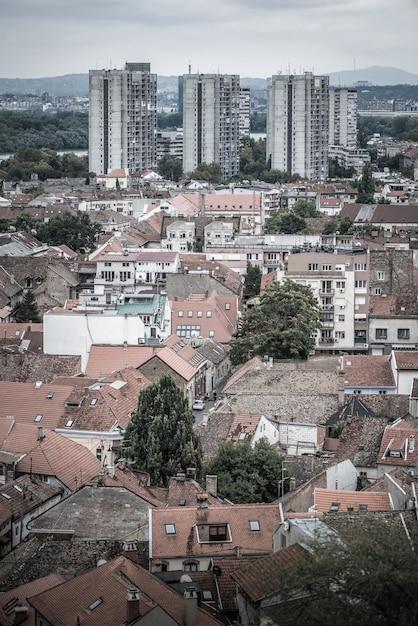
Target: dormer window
335 507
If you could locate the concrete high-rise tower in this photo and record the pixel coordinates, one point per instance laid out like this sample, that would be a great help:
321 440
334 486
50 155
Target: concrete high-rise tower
297 124
122 119
343 117
211 116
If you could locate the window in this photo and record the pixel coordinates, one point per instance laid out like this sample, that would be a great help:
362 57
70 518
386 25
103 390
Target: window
360 267
218 532
124 276
377 291
227 306
254 524
339 334
208 313
108 276
38 418
326 268
313 267
380 275
360 284
69 424
403 333
199 314
207 595
99 454
95 604
50 395
382 392
381 333
211 333
335 506
340 318
107 264
188 331
190 566
181 313
189 313
340 284
170 529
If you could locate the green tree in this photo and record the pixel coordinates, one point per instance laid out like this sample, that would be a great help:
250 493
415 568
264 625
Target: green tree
366 186
76 231
304 208
27 310
343 226
211 172
252 281
286 222
281 326
160 438
170 167
246 474
368 578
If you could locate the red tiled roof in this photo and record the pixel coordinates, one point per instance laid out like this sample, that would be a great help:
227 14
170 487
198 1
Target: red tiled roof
244 423
367 371
188 520
262 577
108 585
31 403
54 456
406 359
26 591
103 360
396 447
375 500
176 363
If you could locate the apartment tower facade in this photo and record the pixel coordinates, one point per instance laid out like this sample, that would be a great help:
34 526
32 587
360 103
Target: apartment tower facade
343 117
298 124
122 119
211 121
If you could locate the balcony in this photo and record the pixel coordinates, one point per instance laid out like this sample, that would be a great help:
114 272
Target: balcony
327 323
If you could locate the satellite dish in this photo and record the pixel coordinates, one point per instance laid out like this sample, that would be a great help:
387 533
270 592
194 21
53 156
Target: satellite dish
185 578
217 570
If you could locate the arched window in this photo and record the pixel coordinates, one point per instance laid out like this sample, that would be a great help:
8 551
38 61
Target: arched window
28 282
190 566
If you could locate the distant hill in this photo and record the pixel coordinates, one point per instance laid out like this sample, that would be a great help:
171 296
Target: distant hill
78 84
375 75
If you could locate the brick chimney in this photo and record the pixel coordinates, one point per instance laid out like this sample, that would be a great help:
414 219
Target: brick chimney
21 614
212 484
132 604
190 607
130 550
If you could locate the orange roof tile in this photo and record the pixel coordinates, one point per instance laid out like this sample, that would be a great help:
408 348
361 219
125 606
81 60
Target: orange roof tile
367 371
103 360
243 423
188 521
107 586
33 403
374 500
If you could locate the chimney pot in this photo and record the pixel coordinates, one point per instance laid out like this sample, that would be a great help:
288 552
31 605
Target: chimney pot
132 604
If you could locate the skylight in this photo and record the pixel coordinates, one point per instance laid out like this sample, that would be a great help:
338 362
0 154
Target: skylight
254 524
38 418
170 529
95 604
69 424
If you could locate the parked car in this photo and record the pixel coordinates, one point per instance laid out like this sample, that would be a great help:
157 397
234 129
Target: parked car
198 405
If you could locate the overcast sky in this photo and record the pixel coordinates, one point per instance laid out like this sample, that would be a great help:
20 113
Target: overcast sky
253 38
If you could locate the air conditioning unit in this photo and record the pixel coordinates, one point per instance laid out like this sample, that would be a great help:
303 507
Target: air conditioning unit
141 340
342 290
342 306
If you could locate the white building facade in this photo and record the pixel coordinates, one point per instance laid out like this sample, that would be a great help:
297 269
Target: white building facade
122 119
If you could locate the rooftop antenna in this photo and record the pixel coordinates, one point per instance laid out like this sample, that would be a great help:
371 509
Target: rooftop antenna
190 67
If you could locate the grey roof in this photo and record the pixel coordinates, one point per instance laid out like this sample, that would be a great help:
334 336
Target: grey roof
212 351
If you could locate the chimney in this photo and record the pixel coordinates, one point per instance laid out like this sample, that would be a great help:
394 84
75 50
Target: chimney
212 484
41 434
336 484
132 604
130 550
190 607
21 614
411 444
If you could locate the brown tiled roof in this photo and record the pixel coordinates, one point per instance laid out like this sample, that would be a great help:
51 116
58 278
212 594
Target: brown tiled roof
367 371
54 456
225 583
244 423
406 359
106 404
103 360
241 371
221 322
13 330
176 363
187 520
218 270
26 494
26 402
262 577
375 500
396 440
393 306
232 202
18 597
109 583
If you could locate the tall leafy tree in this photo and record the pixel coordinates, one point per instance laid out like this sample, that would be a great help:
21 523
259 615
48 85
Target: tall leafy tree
27 310
246 474
286 222
170 167
368 578
281 326
76 231
252 281
160 438
366 186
